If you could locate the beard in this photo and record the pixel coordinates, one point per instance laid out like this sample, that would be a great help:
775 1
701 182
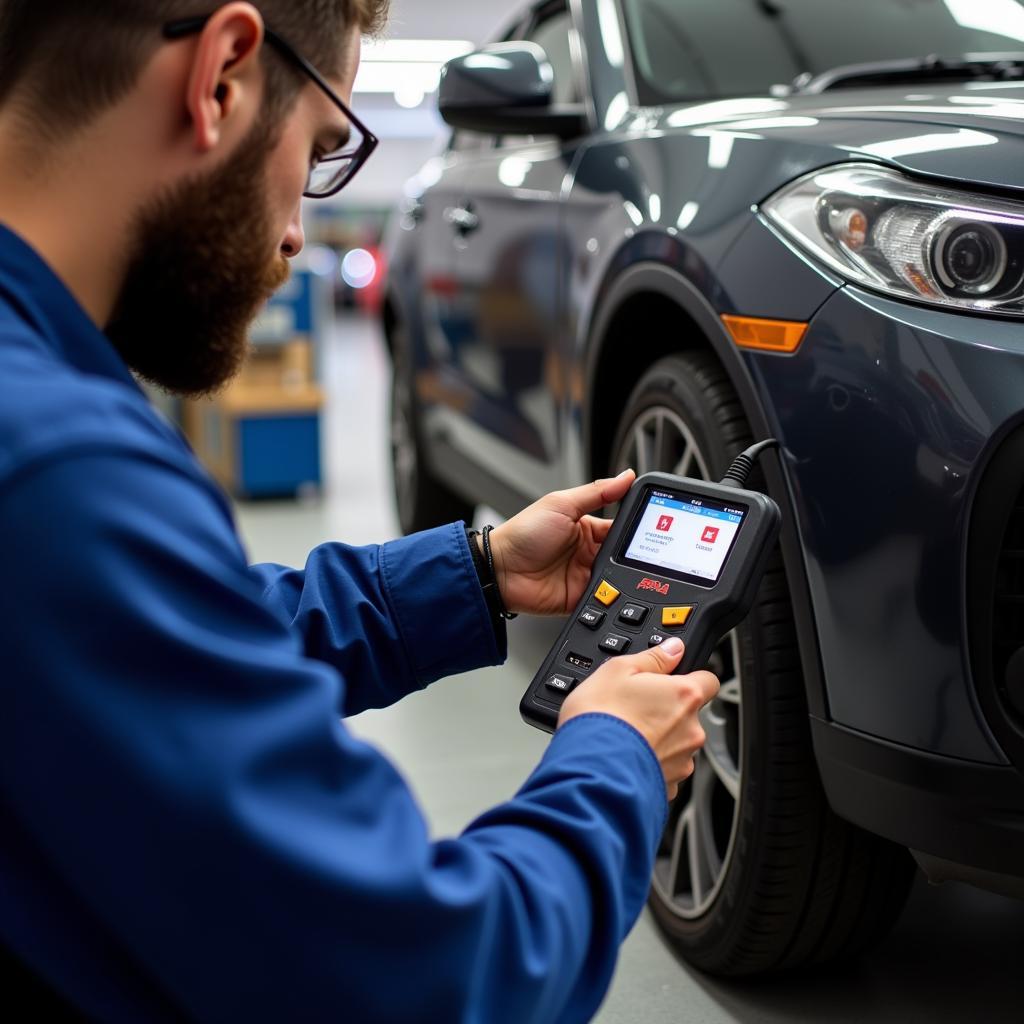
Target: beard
199 274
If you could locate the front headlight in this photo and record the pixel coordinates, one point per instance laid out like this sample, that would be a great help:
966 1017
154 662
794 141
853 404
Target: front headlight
907 238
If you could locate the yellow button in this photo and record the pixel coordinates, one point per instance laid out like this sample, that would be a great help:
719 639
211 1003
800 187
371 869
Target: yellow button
606 593
675 616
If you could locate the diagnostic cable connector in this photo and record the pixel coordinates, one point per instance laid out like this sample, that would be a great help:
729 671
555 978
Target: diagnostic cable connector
744 463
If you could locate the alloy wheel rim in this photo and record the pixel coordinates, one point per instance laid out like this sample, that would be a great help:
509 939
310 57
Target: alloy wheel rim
696 848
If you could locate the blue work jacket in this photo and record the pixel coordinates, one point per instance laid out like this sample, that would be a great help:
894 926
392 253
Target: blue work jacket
187 828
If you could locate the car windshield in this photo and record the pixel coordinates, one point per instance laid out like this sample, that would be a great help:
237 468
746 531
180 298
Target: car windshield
694 50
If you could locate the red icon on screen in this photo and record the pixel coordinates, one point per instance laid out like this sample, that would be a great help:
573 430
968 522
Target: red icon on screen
710 534
665 524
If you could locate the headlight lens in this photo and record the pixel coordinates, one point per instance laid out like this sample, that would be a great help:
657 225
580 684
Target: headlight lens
906 238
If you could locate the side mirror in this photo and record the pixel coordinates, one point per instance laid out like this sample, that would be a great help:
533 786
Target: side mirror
505 89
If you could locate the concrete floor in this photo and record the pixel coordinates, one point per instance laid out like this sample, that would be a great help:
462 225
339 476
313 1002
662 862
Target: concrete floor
956 954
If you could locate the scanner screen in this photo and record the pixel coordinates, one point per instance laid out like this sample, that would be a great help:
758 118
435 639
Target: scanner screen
684 535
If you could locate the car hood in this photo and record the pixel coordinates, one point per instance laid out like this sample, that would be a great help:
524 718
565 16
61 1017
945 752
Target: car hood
970 131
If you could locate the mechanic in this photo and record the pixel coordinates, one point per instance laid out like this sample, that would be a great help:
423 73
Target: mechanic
188 829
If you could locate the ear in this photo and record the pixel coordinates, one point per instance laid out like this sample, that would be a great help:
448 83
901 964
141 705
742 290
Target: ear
225 78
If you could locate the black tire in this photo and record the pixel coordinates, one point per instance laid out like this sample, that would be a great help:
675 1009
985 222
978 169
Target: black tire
421 500
795 884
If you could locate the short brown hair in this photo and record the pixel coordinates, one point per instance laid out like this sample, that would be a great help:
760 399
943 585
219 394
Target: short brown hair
70 59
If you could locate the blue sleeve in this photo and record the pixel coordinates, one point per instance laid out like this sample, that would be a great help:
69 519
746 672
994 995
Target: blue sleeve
179 766
390 619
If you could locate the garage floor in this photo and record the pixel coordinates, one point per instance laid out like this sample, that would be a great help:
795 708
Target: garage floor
956 954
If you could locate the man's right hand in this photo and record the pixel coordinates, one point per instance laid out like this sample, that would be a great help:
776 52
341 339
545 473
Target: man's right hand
639 689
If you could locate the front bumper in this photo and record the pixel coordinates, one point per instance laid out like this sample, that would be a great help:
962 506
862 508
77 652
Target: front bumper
964 821
894 418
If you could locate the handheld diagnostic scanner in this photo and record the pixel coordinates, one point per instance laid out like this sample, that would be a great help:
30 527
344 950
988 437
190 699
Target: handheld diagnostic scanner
683 558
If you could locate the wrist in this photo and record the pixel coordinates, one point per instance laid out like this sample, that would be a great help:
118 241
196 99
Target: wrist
496 560
491 576
483 562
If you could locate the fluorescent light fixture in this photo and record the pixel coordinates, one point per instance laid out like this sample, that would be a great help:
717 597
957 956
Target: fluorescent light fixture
414 51
378 78
1000 17
408 68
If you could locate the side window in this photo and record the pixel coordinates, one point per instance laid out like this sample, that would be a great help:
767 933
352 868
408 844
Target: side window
552 36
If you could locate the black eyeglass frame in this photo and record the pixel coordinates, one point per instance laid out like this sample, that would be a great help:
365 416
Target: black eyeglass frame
188 26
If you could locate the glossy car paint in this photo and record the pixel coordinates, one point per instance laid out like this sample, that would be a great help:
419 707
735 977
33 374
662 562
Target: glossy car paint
888 412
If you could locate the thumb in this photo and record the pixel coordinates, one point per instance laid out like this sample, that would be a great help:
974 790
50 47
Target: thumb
590 497
661 659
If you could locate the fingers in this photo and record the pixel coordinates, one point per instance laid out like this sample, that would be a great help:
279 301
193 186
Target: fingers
599 528
708 684
661 659
593 496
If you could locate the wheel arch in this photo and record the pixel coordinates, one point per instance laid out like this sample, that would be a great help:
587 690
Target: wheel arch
623 342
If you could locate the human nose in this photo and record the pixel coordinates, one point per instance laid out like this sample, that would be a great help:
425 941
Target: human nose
294 237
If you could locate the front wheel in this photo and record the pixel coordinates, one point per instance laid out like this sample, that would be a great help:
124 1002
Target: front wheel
754 872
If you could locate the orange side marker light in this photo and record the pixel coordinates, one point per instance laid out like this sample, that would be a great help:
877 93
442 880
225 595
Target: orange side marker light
765 335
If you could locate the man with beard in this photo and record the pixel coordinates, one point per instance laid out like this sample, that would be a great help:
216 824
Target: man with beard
188 829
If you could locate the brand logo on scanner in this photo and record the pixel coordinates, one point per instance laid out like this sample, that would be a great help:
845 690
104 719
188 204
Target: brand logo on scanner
646 584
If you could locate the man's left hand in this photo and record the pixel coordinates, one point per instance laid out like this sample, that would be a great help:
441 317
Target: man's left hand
543 556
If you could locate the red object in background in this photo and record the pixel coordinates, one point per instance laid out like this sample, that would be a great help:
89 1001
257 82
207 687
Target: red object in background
371 298
665 523
710 534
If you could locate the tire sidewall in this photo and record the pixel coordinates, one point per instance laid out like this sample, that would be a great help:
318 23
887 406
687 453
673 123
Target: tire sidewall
684 384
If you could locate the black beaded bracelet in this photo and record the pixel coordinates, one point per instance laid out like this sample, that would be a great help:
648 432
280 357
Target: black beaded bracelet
484 566
502 610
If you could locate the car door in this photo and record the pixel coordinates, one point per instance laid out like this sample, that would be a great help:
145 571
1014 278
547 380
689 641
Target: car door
510 256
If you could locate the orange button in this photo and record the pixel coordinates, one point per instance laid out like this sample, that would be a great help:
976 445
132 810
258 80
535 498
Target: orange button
606 593
675 616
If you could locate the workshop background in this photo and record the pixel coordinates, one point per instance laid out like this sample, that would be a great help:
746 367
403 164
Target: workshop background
301 441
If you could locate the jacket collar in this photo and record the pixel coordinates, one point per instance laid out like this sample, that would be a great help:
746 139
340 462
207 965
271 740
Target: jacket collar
36 295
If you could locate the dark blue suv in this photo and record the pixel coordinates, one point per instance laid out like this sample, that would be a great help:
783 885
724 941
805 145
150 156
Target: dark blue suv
665 228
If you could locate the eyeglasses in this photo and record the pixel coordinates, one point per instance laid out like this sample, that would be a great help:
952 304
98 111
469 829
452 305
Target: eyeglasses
332 172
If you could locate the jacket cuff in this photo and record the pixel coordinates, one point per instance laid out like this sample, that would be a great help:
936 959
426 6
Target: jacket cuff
438 604
613 769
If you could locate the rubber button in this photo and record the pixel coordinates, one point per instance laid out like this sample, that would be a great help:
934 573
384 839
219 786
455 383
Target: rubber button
615 643
591 618
676 616
656 638
633 614
606 593
560 683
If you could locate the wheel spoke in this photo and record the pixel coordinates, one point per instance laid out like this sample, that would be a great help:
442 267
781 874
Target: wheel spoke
684 467
693 858
703 785
662 446
724 768
716 751
730 691
675 885
641 446
694 840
